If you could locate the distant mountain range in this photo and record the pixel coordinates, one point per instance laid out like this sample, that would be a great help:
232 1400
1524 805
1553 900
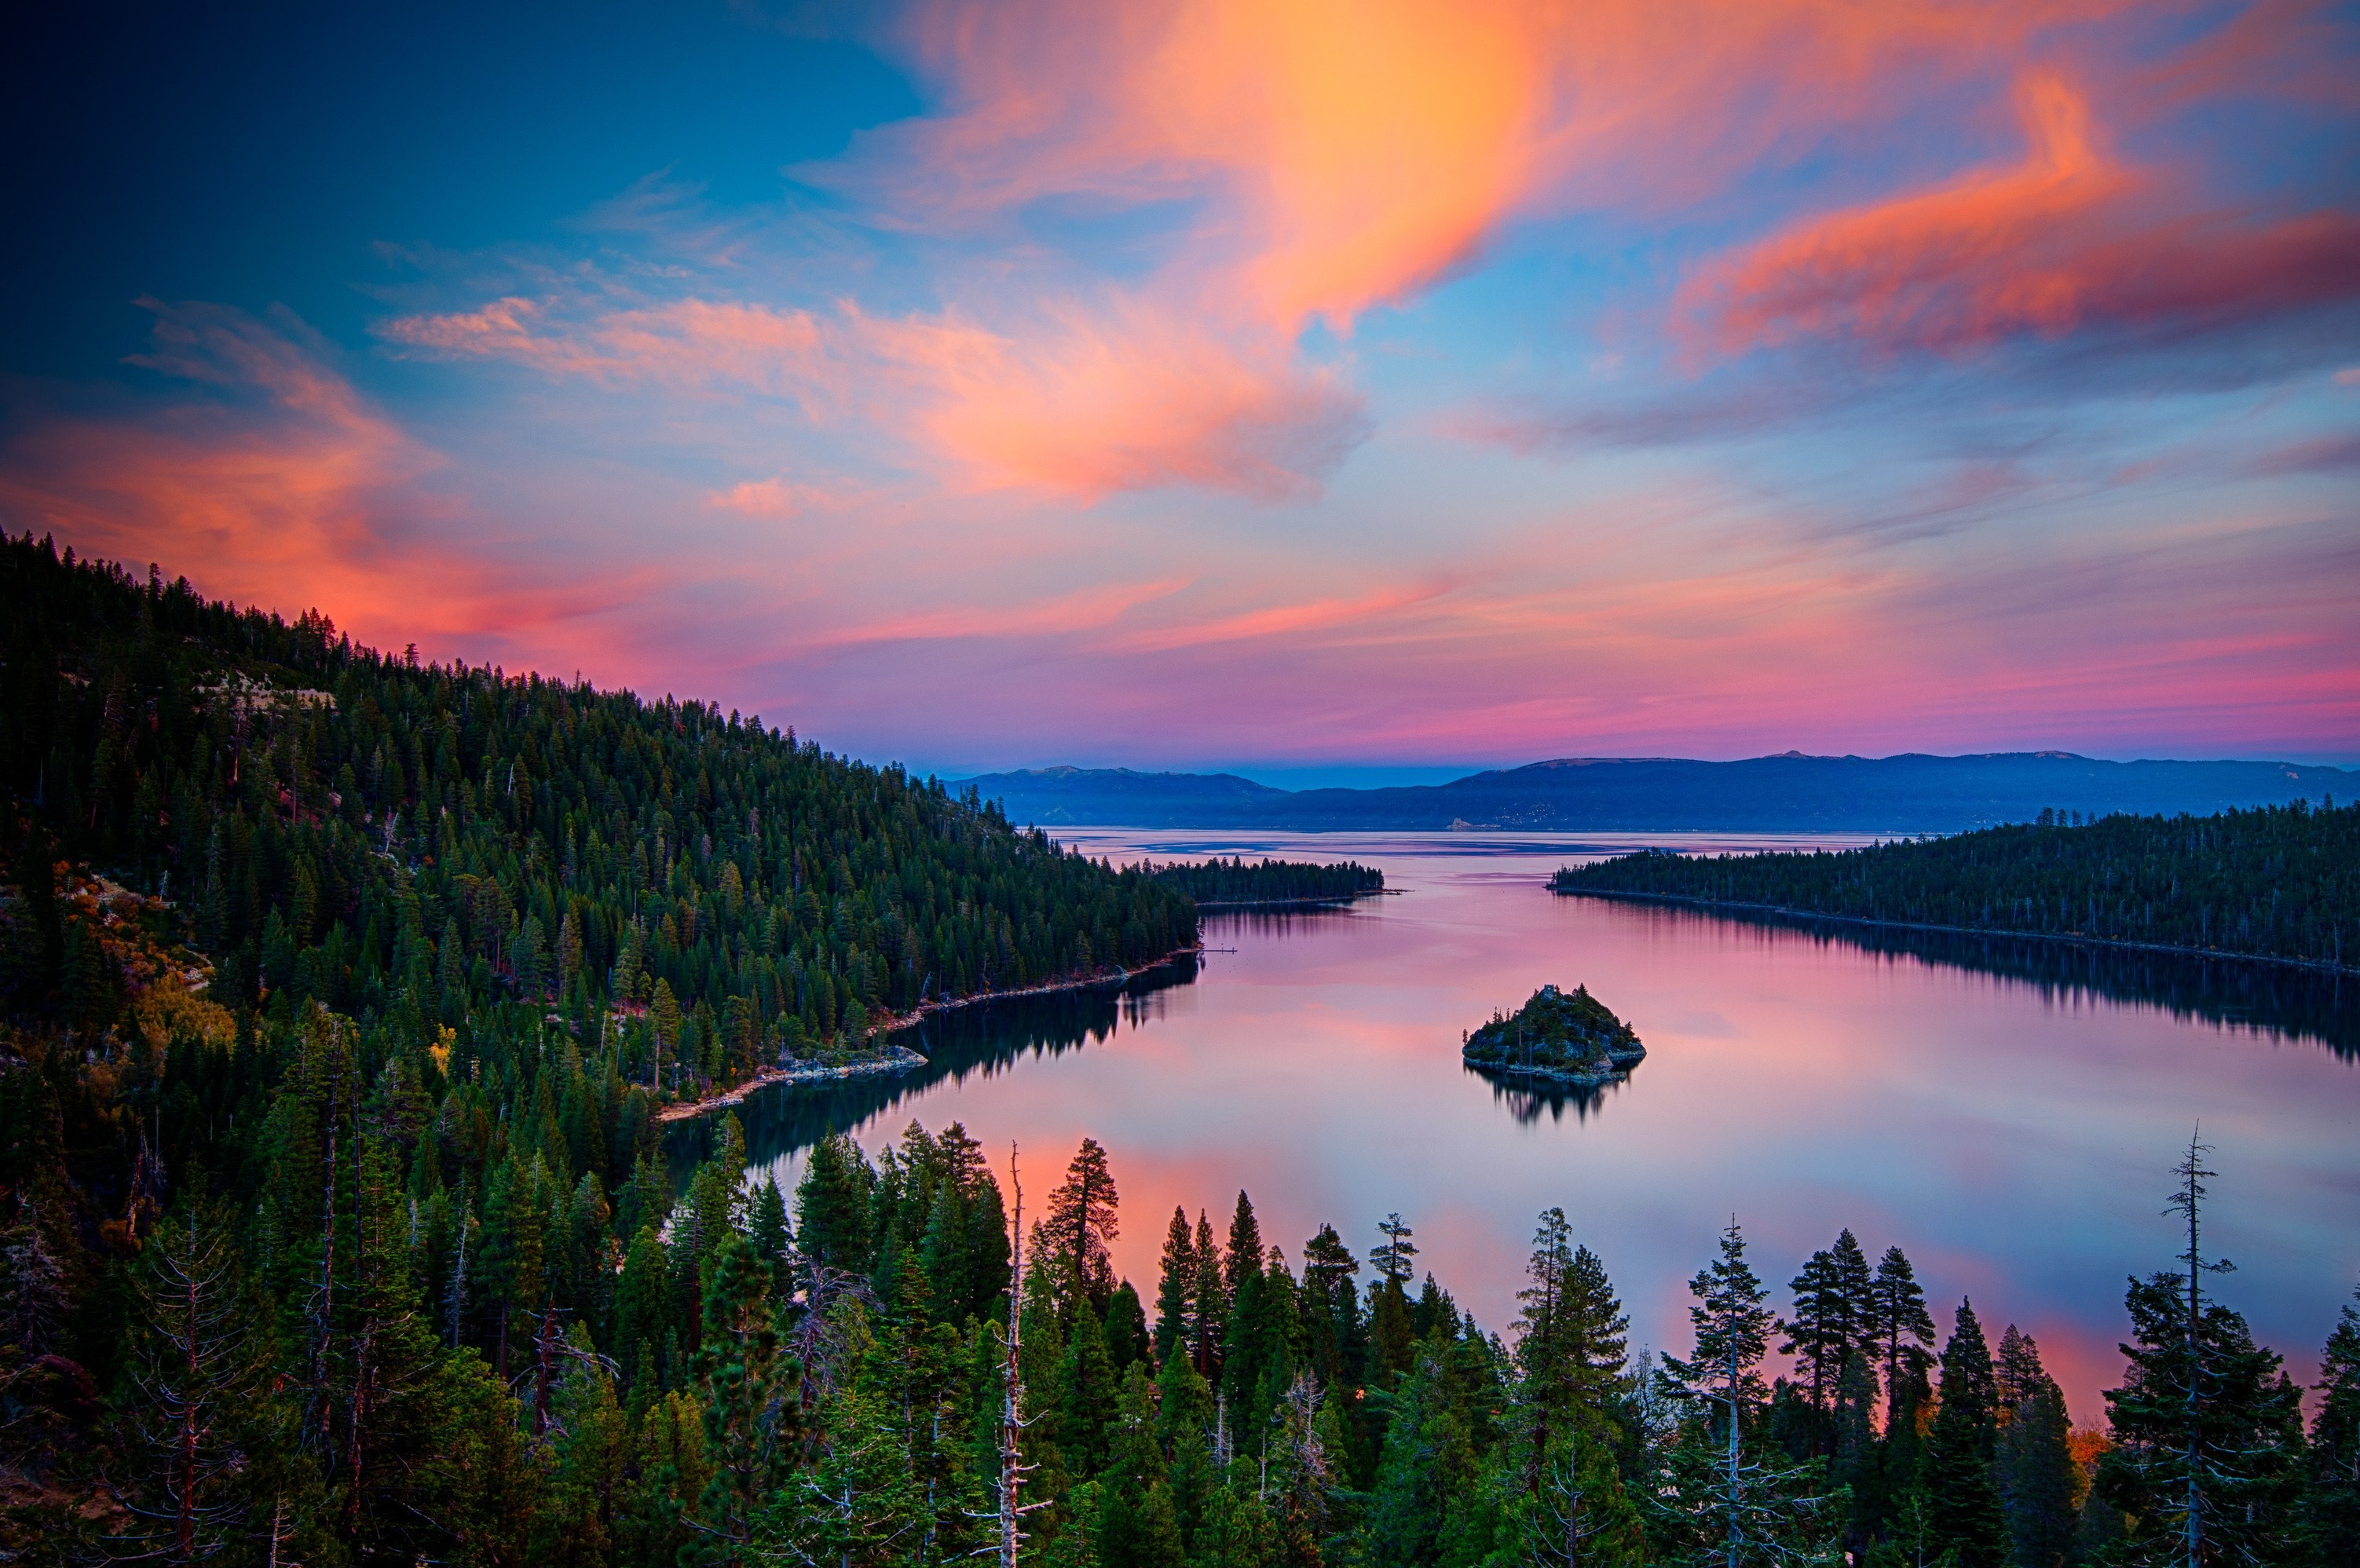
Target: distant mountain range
1910 793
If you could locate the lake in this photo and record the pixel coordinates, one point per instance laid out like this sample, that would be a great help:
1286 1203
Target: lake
2007 1113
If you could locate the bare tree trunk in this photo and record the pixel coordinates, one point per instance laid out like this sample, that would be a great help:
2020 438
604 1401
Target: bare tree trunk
1011 1400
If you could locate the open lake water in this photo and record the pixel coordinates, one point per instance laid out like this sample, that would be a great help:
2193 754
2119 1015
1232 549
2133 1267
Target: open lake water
2008 1113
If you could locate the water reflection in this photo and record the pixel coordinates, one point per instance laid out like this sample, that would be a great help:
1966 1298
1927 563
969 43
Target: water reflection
2005 1111
1526 1099
2277 1001
982 1041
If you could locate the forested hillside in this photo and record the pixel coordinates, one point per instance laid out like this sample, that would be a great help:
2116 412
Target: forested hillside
339 824
341 999
2279 882
1233 881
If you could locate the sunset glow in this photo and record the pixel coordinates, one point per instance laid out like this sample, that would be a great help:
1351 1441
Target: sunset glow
1212 383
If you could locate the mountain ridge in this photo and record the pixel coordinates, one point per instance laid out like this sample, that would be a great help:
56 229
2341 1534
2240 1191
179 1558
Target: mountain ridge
1905 792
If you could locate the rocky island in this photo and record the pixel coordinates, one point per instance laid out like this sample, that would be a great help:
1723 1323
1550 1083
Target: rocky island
1564 1037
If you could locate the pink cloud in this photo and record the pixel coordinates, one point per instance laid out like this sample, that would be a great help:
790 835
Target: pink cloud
1128 398
1059 616
777 499
684 345
1350 154
2067 237
287 489
1125 396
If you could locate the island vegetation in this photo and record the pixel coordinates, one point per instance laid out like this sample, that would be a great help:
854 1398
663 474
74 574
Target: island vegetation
1561 1036
1218 884
2278 882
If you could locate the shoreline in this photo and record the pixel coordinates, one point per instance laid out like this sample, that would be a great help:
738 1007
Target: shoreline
2211 954
1226 906
901 1058
1553 1074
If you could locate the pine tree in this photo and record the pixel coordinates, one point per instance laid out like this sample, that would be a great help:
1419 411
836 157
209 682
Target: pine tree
1081 1225
1126 1328
197 1367
1393 1255
1430 1465
1715 1500
1733 1331
1085 1390
1835 1306
833 1204
1176 1290
771 1240
751 1411
1902 1330
1245 1247
2329 1524
1961 1453
1212 1302
1852 1455
2036 1473
590 1453
1137 1525
2206 1426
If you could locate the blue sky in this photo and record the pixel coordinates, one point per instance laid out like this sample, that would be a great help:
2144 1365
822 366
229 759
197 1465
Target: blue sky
1304 390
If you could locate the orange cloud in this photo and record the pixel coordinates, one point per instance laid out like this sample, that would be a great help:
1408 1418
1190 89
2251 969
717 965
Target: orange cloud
1125 399
288 490
686 344
2062 239
1084 609
1125 396
776 498
1950 269
1283 620
1350 151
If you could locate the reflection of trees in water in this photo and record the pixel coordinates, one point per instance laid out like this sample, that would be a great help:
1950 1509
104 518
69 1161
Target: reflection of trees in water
1219 926
1526 1099
987 1038
2276 1000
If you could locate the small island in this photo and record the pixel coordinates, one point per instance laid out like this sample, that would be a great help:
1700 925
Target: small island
1565 1037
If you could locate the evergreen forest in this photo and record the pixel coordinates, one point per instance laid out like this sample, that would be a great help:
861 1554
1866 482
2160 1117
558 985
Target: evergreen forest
1218 882
2277 882
341 1002
422 847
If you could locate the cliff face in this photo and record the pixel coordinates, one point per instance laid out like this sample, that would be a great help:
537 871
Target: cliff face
1571 1036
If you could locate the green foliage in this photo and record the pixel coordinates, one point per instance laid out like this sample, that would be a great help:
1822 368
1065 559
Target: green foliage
370 1248
1231 883
1961 1478
1556 1034
2273 882
2329 1526
335 816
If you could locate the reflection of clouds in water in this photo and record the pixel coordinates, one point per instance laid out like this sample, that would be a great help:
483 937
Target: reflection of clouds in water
2005 1112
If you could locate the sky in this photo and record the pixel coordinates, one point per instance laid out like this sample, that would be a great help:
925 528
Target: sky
1324 391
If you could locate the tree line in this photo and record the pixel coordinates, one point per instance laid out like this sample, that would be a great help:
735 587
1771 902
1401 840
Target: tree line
433 841
1234 881
2279 882
358 1343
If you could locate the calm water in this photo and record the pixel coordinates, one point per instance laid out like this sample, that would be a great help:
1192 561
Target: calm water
2007 1113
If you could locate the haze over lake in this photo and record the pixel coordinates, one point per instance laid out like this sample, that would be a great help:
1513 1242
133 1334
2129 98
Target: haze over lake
2013 1136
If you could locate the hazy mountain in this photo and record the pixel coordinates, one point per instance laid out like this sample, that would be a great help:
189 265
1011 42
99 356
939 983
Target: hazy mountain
1912 793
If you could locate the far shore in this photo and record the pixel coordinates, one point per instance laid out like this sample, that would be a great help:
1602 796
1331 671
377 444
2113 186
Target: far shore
1788 911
